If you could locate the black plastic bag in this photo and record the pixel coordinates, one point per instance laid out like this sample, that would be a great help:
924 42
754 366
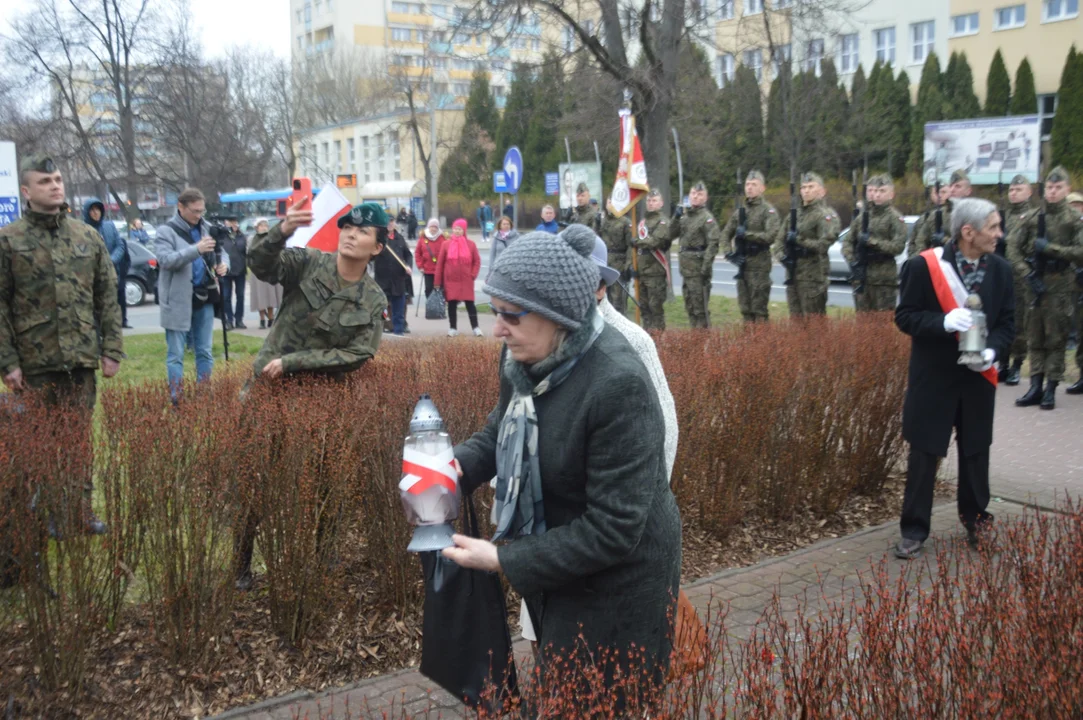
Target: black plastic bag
436 305
466 643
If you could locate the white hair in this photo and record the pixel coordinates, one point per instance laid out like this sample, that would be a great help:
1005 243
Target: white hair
970 211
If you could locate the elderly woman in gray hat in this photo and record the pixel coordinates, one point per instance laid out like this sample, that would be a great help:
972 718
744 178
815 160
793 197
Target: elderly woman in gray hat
588 531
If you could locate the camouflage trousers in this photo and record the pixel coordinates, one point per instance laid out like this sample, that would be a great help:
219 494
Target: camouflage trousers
652 299
753 293
618 298
807 297
876 298
1048 326
696 291
78 390
1019 345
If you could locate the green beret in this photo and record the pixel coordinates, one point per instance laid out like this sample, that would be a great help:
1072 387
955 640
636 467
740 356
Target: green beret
1020 180
882 180
654 192
754 175
811 177
699 186
1057 174
39 162
959 176
582 188
368 214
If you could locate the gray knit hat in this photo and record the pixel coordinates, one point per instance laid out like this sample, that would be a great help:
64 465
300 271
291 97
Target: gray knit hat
552 275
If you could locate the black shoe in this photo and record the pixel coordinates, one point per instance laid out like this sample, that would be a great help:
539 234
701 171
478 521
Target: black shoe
1034 395
1013 376
972 537
262 324
1075 388
229 325
240 325
125 325
1049 399
907 549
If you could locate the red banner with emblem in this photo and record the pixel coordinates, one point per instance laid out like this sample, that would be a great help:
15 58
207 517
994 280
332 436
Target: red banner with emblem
631 180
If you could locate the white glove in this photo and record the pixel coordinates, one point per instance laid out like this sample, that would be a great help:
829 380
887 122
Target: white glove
958 320
989 355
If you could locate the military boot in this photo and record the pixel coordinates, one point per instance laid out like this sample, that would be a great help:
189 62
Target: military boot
1034 395
1049 399
1012 377
1075 388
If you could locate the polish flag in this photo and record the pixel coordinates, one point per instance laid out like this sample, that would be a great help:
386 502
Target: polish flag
322 234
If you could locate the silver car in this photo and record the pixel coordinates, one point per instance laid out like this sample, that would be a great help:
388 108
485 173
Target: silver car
840 269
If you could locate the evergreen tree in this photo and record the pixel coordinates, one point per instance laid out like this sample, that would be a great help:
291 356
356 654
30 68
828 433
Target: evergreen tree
1025 99
829 118
480 106
541 136
515 123
1066 142
706 151
467 168
962 101
857 124
777 165
747 125
903 112
998 88
930 106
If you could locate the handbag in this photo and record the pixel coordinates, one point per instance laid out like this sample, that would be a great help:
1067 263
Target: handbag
436 305
466 643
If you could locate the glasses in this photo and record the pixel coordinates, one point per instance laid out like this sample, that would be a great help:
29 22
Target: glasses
511 318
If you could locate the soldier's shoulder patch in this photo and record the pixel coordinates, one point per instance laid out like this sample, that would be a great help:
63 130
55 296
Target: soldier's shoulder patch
771 210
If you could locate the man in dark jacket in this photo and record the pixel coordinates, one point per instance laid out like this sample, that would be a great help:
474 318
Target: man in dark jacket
94 216
942 394
392 268
235 244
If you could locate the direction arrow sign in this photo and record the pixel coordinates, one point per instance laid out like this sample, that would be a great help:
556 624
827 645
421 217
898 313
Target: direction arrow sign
513 169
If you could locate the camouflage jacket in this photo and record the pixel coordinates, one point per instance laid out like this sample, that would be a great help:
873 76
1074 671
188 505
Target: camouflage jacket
58 290
655 232
617 234
923 235
320 327
1064 230
887 238
762 223
588 215
700 233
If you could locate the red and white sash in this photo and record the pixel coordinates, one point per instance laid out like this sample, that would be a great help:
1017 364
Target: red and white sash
950 292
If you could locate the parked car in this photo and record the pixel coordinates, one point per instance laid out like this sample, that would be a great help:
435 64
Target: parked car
142 276
122 228
840 269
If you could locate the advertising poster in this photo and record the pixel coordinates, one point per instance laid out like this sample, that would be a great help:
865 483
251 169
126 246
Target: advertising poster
988 149
571 174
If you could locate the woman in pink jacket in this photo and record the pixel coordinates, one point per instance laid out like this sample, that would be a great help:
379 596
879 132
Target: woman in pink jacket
456 270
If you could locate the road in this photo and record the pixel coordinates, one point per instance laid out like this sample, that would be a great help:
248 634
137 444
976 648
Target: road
145 317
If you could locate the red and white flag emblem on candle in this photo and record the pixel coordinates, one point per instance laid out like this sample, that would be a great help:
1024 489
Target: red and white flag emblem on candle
631 180
327 207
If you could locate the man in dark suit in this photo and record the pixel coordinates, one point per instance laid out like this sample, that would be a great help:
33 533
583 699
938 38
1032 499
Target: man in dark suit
941 393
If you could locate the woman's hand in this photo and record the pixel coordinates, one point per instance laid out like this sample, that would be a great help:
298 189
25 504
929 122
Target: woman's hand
473 553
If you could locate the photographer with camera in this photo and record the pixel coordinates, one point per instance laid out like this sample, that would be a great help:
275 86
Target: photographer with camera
190 262
234 245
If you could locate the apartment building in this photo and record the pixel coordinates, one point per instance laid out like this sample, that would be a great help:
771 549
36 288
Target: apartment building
1042 31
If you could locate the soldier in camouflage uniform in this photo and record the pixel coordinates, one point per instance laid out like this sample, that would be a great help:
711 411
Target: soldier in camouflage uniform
700 236
617 234
926 236
59 317
887 238
331 318
762 223
1075 200
817 229
1021 206
584 213
654 237
1049 317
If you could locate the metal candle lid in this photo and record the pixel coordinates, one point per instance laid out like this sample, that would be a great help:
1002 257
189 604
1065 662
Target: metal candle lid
426 417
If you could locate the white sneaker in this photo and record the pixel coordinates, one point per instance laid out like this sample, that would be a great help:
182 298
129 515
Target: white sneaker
453 333
478 332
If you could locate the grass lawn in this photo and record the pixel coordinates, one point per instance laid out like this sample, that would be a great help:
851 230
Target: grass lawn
724 310
146 356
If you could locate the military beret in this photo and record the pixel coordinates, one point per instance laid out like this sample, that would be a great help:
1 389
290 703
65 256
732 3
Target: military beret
1020 180
811 177
582 188
959 176
1057 174
1075 198
885 180
654 192
754 175
699 186
368 214
39 162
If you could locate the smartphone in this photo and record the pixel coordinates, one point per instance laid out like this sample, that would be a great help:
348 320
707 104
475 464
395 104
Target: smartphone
302 190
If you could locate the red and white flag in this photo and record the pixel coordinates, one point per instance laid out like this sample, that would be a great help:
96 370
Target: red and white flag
328 206
631 180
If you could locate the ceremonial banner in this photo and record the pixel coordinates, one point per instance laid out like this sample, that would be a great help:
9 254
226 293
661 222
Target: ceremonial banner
631 180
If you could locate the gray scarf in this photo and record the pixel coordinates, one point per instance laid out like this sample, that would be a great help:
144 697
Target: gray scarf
519 508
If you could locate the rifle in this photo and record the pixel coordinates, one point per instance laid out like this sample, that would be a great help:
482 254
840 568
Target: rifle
791 250
860 268
938 228
1037 260
739 256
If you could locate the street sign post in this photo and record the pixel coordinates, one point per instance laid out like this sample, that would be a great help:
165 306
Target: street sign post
552 183
500 182
513 169
9 184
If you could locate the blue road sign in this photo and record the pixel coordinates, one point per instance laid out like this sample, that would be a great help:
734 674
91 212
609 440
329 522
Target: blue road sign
500 182
552 183
513 169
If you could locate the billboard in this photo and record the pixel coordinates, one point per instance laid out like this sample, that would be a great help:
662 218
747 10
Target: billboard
988 149
9 184
571 174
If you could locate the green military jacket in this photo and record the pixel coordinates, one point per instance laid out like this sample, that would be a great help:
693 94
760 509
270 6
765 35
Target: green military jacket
817 229
1017 212
762 223
617 234
887 238
700 237
655 232
923 235
58 290
322 326
588 215
1064 230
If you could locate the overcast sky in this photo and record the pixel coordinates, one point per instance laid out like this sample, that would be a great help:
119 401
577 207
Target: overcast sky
223 22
